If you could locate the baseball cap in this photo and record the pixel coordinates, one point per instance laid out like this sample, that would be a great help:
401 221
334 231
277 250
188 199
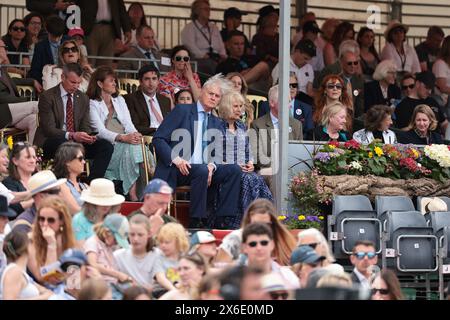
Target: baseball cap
306 46
72 257
77 31
233 12
265 11
5 211
158 186
201 237
427 78
305 254
119 226
311 26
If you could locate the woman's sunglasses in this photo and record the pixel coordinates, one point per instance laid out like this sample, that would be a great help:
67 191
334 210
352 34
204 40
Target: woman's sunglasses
382 291
80 158
332 86
293 85
277 295
179 58
21 29
253 244
50 220
69 49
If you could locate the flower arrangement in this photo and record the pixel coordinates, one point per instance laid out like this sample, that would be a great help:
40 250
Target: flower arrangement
391 161
43 164
307 197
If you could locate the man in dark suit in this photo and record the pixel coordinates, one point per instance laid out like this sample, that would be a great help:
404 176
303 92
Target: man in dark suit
64 115
46 51
184 158
103 22
147 107
364 258
48 7
144 49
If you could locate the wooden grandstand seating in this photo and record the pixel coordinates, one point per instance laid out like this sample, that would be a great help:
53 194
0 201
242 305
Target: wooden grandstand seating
255 100
129 85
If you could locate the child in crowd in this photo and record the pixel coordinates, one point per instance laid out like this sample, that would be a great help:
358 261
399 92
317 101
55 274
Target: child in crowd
139 261
173 242
99 249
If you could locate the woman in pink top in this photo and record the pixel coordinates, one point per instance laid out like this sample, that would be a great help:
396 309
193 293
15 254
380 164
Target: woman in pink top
181 77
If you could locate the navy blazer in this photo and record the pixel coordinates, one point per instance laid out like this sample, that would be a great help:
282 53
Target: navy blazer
181 117
302 112
42 56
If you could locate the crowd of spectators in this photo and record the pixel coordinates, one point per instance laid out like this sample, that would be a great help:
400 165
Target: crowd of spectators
204 134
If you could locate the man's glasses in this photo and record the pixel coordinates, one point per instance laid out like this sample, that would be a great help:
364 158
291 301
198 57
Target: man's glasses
382 291
411 86
293 85
355 63
278 295
21 29
50 220
69 49
331 86
52 191
185 58
80 158
255 243
361 255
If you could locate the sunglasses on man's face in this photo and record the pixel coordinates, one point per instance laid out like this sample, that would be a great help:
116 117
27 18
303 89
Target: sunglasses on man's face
278 295
21 29
253 244
355 63
382 291
411 86
361 255
69 49
179 58
50 220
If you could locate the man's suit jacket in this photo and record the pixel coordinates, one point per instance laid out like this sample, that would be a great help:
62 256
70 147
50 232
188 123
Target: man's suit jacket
51 115
302 112
355 278
183 118
119 16
44 7
9 94
134 52
373 94
263 146
42 56
139 110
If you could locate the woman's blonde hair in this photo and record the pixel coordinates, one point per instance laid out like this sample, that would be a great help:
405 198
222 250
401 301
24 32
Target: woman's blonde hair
339 280
173 230
330 111
320 238
68 238
93 289
383 68
425 109
90 211
82 60
227 102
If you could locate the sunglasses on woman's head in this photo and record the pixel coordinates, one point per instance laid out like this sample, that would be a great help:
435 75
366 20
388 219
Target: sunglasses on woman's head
255 243
179 58
382 291
50 220
69 49
332 86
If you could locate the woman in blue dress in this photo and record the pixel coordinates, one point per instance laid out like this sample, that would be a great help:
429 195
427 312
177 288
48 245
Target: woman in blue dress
236 150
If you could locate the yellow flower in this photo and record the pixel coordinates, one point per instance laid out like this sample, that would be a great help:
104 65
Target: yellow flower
378 151
10 142
371 154
332 147
281 218
321 217
301 217
415 153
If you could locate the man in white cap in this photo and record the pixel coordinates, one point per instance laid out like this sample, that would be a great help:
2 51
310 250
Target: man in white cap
41 185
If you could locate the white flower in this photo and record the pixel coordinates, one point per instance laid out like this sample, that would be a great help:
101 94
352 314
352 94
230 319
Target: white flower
356 165
440 153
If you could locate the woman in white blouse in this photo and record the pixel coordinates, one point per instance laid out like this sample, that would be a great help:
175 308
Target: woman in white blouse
111 119
396 49
68 52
